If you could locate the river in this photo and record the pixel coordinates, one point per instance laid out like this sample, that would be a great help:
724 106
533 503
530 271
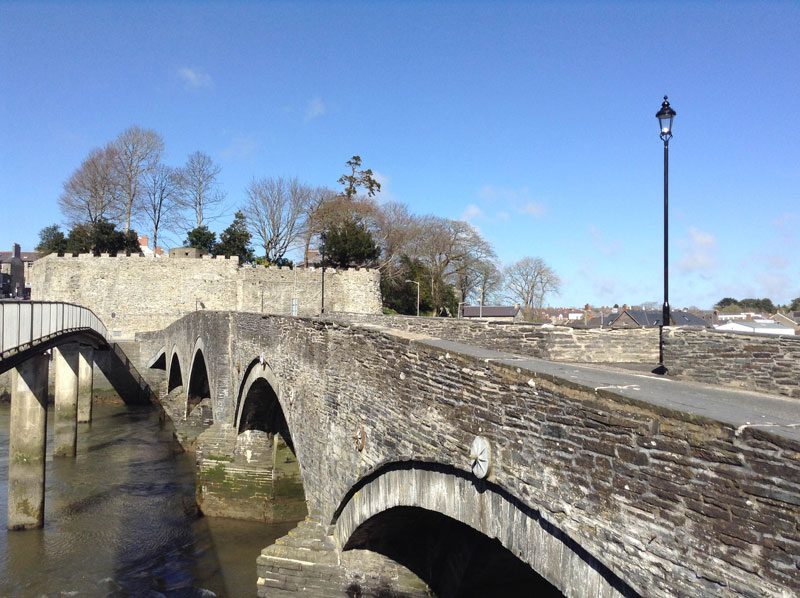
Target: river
119 522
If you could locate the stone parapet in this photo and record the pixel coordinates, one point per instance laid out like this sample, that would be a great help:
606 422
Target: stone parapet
543 341
750 361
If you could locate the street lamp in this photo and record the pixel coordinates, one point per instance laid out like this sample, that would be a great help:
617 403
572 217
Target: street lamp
665 117
416 283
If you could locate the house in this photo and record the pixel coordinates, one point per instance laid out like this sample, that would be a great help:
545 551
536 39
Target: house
144 247
498 313
651 318
756 327
788 321
15 268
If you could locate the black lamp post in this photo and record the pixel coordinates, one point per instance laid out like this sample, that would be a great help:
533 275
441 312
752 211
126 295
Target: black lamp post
665 117
324 238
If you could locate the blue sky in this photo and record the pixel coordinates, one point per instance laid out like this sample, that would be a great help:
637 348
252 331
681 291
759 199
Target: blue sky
533 120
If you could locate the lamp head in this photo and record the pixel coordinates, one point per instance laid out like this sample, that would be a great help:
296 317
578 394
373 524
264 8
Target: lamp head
665 117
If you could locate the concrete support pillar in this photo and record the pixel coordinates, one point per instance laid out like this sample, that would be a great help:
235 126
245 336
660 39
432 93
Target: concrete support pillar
26 451
65 435
85 383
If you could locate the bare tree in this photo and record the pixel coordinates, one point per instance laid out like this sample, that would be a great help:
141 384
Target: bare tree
90 193
161 189
445 247
489 281
136 151
200 192
276 212
530 280
315 218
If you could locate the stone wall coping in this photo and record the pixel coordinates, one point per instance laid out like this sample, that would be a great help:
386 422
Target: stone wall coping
754 335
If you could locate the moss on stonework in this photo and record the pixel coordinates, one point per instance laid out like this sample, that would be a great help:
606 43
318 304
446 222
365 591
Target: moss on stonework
25 507
219 458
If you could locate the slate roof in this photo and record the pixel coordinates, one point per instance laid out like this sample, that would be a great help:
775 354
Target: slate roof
490 311
26 256
650 318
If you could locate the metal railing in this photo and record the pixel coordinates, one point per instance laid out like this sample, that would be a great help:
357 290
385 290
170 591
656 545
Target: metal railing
24 324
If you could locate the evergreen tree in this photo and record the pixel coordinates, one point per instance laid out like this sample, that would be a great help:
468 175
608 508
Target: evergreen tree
101 236
51 240
350 244
235 240
202 238
401 296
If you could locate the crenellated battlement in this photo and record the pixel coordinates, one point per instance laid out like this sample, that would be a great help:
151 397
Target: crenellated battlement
205 258
134 293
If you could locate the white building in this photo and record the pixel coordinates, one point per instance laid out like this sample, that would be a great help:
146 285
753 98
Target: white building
755 327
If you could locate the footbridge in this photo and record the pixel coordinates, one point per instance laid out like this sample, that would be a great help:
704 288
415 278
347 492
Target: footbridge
32 335
484 473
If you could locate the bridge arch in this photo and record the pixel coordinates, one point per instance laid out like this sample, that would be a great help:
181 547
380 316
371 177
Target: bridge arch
259 405
175 375
199 386
371 516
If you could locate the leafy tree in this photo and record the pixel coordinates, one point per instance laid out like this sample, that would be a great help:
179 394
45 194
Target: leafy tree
358 178
235 240
262 261
401 296
51 240
759 305
350 244
101 237
202 238
723 303
795 305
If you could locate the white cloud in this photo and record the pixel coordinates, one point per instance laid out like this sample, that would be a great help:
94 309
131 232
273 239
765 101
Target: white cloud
194 78
698 252
503 216
532 208
775 285
384 195
519 200
240 146
471 212
315 109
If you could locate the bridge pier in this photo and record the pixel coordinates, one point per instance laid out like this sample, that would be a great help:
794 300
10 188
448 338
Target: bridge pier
85 383
307 562
26 452
66 400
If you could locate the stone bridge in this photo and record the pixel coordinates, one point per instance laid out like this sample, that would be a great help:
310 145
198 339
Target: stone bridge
483 473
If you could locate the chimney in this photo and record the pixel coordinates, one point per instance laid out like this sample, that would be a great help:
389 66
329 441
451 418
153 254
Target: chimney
16 250
144 240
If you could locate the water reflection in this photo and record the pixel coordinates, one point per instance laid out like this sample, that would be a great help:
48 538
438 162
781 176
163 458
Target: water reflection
119 521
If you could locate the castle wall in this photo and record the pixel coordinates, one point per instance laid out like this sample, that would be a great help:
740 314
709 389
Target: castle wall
135 293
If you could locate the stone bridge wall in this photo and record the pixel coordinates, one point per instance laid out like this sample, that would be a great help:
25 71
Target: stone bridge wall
134 293
556 343
674 505
751 361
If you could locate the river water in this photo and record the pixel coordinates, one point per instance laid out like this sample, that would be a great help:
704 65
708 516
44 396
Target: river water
119 521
